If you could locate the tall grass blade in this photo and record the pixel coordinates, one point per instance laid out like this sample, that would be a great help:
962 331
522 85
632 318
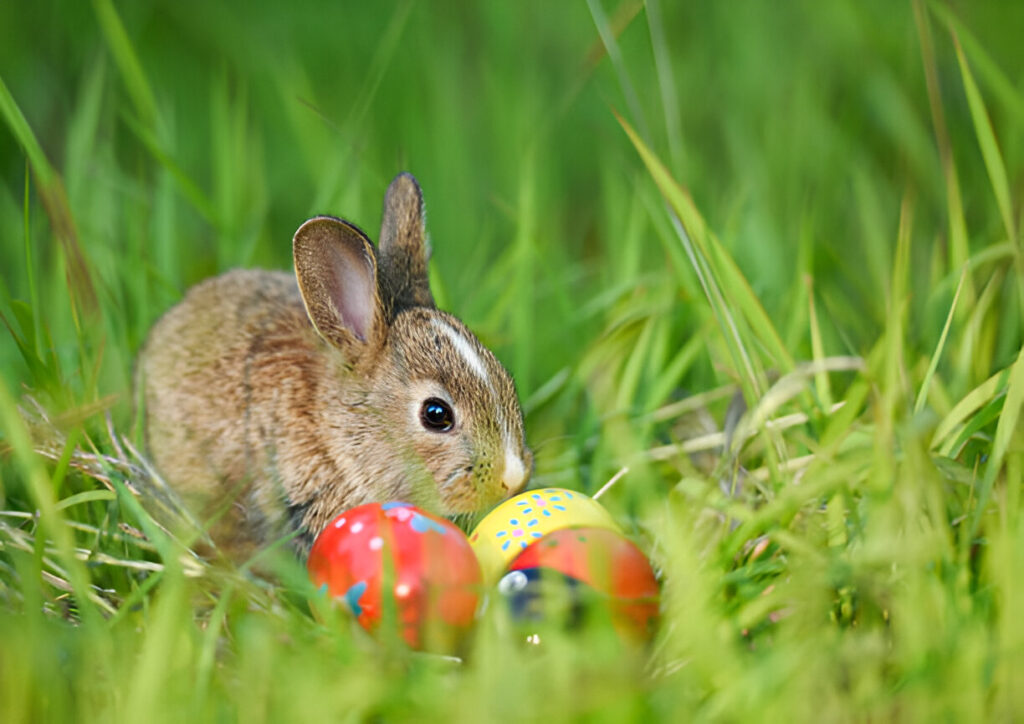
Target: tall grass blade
958 246
1005 429
127 60
922 395
973 400
693 234
51 190
611 46
989 147
1004 88
821 380
30 270
666 81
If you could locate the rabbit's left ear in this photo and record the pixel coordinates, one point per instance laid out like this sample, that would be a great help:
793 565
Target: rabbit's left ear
403 246
337 277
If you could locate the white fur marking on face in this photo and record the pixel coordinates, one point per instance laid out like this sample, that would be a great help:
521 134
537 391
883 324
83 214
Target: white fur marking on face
464 348
514 473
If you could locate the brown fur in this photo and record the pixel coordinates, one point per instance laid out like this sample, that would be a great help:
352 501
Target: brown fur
289 403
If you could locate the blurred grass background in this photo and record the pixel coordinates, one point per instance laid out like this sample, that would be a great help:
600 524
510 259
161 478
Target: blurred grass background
790 219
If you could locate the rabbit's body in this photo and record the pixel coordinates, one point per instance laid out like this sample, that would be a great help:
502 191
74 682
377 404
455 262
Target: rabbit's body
284 404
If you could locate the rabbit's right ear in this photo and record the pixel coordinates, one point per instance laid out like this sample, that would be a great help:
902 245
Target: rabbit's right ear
404 250
337 275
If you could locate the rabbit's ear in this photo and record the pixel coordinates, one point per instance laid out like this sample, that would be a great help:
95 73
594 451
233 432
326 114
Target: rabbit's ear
403 246
337 276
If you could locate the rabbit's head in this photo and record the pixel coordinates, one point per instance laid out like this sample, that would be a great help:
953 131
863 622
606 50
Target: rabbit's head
429 414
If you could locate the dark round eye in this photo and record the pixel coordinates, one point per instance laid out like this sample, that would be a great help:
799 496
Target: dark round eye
436 415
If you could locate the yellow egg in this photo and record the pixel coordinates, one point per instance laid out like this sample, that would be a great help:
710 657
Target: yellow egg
519 521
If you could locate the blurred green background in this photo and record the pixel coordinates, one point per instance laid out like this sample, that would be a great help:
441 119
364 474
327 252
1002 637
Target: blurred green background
200 138
840 164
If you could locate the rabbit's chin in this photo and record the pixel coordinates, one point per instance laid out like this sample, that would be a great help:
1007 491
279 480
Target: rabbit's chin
462 495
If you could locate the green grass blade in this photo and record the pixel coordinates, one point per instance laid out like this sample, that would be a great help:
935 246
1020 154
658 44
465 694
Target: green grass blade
666 81
958 246
15 120
973 400
86 496
922 395
51 189
1000 84
1005 429
693 232
611 47
127 61
30 270
821 381
1011 412
989 147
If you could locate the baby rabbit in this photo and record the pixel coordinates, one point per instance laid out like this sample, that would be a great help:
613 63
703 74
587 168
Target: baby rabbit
273 402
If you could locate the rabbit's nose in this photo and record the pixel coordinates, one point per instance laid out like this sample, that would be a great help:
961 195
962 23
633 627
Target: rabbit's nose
514 476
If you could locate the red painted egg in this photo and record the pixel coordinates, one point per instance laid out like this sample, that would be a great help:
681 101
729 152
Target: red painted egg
606 562
395 557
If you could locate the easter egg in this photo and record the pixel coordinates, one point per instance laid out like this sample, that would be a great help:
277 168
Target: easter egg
512 526
575 567
392 563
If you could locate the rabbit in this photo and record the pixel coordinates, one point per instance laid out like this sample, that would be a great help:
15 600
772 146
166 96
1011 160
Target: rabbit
273 402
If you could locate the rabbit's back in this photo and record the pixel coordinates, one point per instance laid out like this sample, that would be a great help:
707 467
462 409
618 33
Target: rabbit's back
217 372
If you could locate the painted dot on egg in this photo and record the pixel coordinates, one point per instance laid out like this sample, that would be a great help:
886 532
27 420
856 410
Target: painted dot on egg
340 523
357 527
402 590
376 543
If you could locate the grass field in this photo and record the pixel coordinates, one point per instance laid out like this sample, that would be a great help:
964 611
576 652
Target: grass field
649 211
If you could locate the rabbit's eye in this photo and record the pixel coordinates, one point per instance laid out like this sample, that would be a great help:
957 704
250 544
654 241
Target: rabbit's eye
437 416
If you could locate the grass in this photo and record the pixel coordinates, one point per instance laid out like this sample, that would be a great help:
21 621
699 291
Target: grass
650 213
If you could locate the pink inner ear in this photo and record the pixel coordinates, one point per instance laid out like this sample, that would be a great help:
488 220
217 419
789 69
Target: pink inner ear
352 291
